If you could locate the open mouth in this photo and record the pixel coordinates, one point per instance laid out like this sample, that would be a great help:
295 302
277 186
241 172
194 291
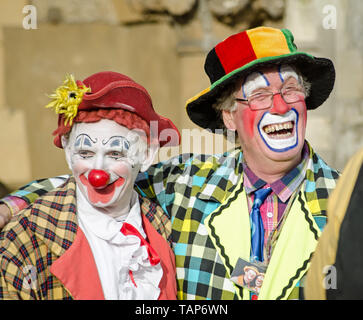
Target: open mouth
280 130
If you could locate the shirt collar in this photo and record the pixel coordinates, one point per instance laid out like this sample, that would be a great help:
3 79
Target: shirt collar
103 225
283 187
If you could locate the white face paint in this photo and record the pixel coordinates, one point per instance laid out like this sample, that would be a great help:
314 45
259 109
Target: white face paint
287 72
254 81
271 123
257 80
109 149
278 131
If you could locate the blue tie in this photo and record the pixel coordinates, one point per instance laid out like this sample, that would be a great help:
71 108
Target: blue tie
257 231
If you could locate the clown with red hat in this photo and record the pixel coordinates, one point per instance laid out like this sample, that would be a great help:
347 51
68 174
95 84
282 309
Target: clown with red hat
94 236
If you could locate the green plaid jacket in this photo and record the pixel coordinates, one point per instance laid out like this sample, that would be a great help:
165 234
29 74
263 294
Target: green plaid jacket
191 187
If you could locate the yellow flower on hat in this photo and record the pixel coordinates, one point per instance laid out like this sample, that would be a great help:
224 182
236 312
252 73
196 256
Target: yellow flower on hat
67 98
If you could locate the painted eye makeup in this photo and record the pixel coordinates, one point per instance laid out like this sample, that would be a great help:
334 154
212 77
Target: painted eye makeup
117 155
85 154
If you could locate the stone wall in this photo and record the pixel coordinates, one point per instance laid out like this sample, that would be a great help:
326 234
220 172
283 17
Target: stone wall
161 44
333 29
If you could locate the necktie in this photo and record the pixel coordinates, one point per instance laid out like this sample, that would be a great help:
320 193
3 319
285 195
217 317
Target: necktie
257 231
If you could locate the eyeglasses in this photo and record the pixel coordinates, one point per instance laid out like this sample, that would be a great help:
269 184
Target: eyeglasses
263 100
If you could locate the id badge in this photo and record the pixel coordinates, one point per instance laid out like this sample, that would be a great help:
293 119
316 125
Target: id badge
249 275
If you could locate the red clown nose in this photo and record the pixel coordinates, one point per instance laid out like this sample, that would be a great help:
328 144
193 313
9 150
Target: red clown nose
98 178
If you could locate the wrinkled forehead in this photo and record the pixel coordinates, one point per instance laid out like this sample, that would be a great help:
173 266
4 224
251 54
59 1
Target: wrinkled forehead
260 78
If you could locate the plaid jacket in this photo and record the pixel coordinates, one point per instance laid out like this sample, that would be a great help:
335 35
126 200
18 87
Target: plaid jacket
190 188
44 255
194 189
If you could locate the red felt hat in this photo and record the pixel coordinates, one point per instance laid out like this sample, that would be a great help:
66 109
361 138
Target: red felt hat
112 90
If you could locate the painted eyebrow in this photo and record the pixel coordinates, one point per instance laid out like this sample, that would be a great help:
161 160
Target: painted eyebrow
116 142
261 74
281 78
85 139
291 76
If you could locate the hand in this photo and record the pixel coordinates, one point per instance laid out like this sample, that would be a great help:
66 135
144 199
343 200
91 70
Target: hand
5 215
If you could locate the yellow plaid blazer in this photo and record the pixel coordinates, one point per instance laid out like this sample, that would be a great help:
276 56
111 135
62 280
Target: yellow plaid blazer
40 234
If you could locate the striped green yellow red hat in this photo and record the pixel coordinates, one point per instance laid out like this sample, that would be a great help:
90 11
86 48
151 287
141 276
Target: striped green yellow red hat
247 51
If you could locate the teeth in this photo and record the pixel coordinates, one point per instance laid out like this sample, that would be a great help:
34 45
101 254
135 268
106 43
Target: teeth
277 127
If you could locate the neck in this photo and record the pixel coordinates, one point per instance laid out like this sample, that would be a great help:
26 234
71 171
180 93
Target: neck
270 170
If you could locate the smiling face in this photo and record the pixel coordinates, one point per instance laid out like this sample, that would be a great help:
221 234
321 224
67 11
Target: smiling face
249 275
105 159
274 134
259 280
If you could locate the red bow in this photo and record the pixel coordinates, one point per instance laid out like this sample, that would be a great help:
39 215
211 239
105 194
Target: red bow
128 229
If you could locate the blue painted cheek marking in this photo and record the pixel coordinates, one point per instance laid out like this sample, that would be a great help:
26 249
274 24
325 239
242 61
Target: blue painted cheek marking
284 149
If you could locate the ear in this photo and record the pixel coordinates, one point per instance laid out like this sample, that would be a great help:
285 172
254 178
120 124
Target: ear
150 155
228 119
67 151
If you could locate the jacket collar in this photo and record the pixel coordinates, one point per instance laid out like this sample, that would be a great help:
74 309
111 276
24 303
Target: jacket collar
53 217
226 171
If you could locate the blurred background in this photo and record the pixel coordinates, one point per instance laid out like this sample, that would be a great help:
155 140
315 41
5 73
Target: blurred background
162 45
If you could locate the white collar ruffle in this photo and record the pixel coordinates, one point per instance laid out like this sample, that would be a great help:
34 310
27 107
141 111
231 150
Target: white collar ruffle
122 260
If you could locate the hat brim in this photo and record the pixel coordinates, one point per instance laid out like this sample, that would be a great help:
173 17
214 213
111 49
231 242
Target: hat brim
319 72
131 97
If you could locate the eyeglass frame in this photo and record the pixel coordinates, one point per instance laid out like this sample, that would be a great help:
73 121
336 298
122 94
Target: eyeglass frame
272 96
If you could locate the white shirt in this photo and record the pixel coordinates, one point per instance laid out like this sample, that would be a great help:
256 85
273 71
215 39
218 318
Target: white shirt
116 254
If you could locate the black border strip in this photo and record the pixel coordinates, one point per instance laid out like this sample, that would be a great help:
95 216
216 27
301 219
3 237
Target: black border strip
303 267
297 274
306 213
218 243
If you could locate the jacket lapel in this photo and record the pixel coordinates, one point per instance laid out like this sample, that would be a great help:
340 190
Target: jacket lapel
229 229
291 256
77 270
167 260
55 222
